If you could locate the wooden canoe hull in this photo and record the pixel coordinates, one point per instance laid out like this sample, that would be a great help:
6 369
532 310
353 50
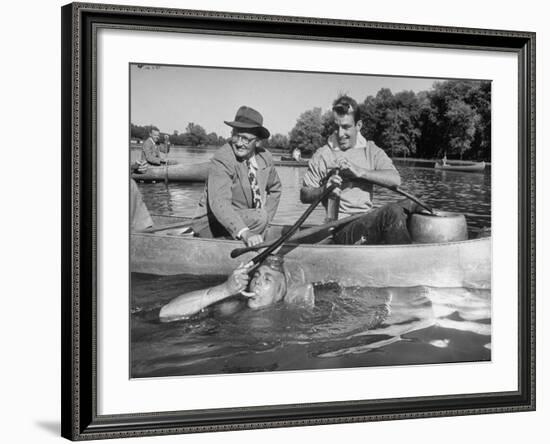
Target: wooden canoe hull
456 264
466 167
197 172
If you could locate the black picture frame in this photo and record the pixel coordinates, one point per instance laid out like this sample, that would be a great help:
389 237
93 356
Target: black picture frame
79 205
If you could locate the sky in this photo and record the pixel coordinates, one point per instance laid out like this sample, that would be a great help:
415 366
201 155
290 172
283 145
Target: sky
172 96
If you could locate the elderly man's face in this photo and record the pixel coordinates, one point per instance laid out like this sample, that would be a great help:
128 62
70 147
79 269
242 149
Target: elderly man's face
155 135
268 286
346 130
244 144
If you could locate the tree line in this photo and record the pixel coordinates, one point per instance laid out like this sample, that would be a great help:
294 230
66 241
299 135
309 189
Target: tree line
452 118
194 135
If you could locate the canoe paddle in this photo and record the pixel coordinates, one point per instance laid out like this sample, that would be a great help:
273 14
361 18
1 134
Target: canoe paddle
167 149
398 190
408 196
394 188
260 257
301 235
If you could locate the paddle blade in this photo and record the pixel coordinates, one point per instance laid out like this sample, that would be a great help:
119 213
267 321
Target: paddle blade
240 251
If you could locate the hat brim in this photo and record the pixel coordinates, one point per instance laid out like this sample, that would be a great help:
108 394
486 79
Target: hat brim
263 133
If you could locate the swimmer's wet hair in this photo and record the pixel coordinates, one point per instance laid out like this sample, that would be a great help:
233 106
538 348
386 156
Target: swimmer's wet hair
277 263
295 290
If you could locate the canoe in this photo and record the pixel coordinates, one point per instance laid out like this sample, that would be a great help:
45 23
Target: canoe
462 166
196 172
455 264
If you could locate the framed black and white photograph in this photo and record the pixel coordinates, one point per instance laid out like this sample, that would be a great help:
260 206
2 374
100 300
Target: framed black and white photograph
351 297
278 221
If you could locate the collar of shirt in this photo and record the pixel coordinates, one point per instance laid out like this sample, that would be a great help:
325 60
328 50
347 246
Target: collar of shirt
332 142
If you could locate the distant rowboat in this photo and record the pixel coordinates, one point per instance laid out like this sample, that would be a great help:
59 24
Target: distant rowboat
461 166
454 264
197 172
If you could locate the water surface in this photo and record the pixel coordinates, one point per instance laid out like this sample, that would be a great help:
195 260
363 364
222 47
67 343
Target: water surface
347 327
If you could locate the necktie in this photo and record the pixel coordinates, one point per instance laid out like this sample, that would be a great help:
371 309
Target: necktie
252 178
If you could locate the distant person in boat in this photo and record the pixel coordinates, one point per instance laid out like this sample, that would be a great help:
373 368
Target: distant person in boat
271 283
165 146
243 188
358 160
444 160
151 150
297 154
140 219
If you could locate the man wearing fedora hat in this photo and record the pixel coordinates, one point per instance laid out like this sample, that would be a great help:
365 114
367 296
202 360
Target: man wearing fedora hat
243 188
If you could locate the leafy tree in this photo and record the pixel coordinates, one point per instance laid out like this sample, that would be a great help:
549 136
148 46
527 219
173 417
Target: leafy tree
461 121
195 135
391 121
455 118
212 139
369 118
307 134
278 141
329 126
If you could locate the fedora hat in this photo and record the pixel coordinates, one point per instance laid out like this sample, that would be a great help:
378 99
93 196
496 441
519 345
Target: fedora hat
249 119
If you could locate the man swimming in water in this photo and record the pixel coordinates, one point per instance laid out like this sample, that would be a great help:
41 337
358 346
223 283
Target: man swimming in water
267 287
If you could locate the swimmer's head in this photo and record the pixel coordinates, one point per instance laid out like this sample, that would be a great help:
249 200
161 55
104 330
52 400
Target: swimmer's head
268 284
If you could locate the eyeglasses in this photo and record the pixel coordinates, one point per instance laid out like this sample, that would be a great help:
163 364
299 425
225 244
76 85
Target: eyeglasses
243 139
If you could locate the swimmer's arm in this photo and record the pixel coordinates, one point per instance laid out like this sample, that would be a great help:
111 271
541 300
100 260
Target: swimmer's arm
191 303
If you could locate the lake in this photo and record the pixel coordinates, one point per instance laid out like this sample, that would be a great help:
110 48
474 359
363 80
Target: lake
347 327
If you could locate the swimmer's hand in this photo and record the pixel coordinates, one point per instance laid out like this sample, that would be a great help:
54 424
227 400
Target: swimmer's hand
238 281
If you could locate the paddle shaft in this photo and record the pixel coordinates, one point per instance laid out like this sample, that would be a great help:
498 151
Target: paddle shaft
411 197
397 190
260 257
301 235
166 169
